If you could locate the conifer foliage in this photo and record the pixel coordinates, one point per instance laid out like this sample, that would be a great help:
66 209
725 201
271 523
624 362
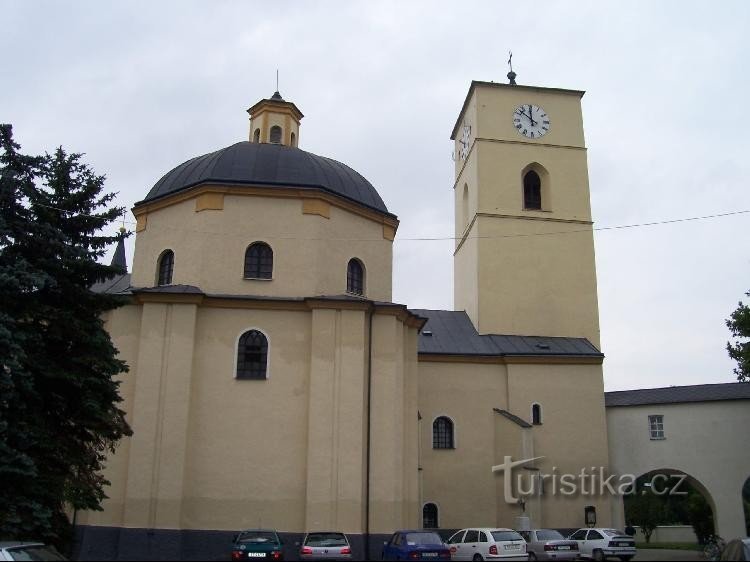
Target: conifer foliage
59 414
739 324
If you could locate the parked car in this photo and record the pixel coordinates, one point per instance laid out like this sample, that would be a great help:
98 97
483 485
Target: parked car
487 544
600 544
257 544
737 549
417 544
17 550
326 546
548 544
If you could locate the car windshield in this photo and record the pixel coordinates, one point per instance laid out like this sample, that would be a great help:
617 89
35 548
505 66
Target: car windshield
34 553
415 539
257 537
549 535
500 536
612 532
326 539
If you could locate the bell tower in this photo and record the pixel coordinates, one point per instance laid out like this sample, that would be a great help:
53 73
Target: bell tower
275 120
524 257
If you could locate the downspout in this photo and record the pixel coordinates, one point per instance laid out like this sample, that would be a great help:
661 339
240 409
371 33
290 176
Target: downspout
369 434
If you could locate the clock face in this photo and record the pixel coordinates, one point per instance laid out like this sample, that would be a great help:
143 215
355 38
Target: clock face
464 142
531 121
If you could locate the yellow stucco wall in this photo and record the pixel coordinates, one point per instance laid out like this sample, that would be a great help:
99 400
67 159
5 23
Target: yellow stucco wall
311 252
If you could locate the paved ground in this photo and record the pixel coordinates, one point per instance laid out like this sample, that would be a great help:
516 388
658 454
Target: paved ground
659 554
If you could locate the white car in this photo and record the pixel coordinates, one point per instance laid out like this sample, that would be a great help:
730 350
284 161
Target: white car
17 550
487 543
600 544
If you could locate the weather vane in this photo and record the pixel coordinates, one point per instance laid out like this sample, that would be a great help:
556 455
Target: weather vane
511 74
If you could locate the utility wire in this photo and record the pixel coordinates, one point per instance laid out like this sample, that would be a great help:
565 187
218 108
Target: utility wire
444 238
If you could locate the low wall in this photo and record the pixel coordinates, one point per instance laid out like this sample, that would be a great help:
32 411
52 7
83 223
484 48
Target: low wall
669 533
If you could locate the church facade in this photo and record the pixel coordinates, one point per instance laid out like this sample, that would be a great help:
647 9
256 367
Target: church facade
273 382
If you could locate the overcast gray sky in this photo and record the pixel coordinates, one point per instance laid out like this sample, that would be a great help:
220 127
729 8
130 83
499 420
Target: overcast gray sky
143 86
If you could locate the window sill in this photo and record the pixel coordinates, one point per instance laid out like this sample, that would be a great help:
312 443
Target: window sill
257 278
362 295
658 439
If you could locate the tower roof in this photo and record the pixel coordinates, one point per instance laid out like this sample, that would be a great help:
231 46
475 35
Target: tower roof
269 165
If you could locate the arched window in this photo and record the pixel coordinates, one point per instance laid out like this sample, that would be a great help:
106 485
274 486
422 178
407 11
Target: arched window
258 261
430 516
276 134
532 191
166 266
355 277
294 140
465 206
256 135
536 414
252 355
442 433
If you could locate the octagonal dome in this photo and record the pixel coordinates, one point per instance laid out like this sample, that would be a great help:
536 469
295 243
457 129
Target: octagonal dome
269 165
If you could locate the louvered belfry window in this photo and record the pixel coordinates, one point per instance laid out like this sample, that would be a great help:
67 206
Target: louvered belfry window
442 433
252 355
355 277
275 134
166 266
259 261
532 191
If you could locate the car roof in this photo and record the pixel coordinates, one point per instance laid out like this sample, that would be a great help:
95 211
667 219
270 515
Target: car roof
11 544
486 529
258 531
417 531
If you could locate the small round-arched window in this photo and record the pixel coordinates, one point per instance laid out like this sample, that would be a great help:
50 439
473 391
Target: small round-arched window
252 355
275 134
355 277
294 140
532 191
430 516
256 136
165 268
442 433
258 261
536 414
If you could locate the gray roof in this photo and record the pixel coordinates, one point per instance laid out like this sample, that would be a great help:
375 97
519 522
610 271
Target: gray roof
113 285
679 394
449 332
269 165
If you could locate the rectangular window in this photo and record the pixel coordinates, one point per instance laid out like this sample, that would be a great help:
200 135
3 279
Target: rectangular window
656 427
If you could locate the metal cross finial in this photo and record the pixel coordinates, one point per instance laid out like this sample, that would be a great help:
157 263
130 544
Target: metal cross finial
511 74
277 79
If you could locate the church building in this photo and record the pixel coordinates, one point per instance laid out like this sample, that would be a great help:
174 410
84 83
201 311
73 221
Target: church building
274 384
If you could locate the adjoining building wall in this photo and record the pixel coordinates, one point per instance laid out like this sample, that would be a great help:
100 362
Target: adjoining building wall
705 440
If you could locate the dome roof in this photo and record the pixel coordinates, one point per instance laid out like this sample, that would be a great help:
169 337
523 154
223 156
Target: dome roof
269 165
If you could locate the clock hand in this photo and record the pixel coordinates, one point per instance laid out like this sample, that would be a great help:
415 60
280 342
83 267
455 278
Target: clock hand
531 118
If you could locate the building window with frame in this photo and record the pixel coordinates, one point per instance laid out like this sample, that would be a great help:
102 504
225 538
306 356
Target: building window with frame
536 414
165 268
355 277
252 355
442 433
430 516
275 136
532 191
258 261
656 427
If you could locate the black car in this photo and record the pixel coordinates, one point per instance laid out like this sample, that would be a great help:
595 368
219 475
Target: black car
257 544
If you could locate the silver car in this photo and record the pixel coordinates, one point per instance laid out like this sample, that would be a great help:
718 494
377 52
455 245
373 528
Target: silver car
328 545
548 544
17 550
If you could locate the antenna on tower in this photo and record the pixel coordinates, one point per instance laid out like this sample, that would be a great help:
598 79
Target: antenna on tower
277 79
511 74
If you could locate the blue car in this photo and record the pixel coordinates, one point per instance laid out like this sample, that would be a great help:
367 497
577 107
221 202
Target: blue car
416 545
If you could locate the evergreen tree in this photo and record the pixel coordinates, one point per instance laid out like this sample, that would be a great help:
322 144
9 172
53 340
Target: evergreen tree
739 324
58 394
